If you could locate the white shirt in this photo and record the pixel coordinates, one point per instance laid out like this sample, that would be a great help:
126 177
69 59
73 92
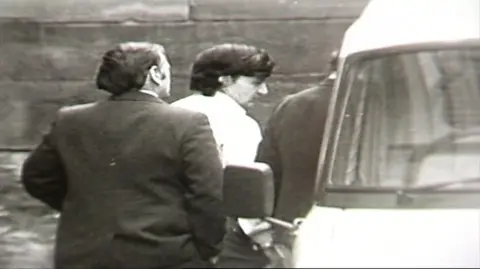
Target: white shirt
236 133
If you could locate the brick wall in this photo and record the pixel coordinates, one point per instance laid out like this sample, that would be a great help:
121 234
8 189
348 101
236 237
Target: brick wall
49 50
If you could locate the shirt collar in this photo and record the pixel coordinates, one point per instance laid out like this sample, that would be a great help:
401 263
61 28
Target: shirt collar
229 103
223 100
154 94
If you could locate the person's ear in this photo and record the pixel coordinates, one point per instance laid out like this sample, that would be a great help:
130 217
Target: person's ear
156 74
226 80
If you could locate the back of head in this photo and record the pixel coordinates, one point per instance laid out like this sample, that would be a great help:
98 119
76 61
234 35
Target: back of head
126 66
228 60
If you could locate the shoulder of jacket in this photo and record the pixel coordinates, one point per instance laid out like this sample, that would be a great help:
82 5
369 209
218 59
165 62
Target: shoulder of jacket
186 116
317 92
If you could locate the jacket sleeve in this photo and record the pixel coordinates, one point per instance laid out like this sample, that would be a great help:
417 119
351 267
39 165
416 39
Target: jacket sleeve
203 173
43 175
268 151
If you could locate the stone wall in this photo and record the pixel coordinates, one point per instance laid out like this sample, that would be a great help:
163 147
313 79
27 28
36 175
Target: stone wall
49 50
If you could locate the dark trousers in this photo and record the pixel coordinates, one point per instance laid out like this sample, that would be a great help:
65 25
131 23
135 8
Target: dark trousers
238 250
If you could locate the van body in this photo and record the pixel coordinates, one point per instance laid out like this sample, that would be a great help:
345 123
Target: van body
399 169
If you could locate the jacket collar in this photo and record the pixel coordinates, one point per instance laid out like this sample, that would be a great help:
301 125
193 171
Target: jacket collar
136 96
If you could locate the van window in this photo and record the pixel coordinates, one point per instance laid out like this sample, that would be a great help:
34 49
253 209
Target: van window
409 119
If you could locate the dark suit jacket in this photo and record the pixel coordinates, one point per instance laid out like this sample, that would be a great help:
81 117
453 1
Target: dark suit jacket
138 183
291 146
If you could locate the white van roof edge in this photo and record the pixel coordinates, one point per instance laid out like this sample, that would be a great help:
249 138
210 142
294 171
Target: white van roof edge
390 23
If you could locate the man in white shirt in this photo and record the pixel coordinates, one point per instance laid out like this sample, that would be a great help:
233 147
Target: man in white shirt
225 78
237 134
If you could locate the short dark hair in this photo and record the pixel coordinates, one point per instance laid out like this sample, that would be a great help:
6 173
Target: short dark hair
228 60
125 67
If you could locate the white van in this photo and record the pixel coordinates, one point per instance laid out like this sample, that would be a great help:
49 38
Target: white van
401 152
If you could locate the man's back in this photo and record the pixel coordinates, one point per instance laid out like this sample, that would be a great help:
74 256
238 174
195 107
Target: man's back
135 167
291 147
236 133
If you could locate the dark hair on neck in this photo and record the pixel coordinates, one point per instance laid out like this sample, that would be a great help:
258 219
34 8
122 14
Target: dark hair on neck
228 60
126 66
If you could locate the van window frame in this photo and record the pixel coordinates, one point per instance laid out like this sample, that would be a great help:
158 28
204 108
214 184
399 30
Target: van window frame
339 100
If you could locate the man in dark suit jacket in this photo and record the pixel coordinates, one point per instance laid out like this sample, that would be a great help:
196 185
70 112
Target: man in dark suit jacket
137 181
291 146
